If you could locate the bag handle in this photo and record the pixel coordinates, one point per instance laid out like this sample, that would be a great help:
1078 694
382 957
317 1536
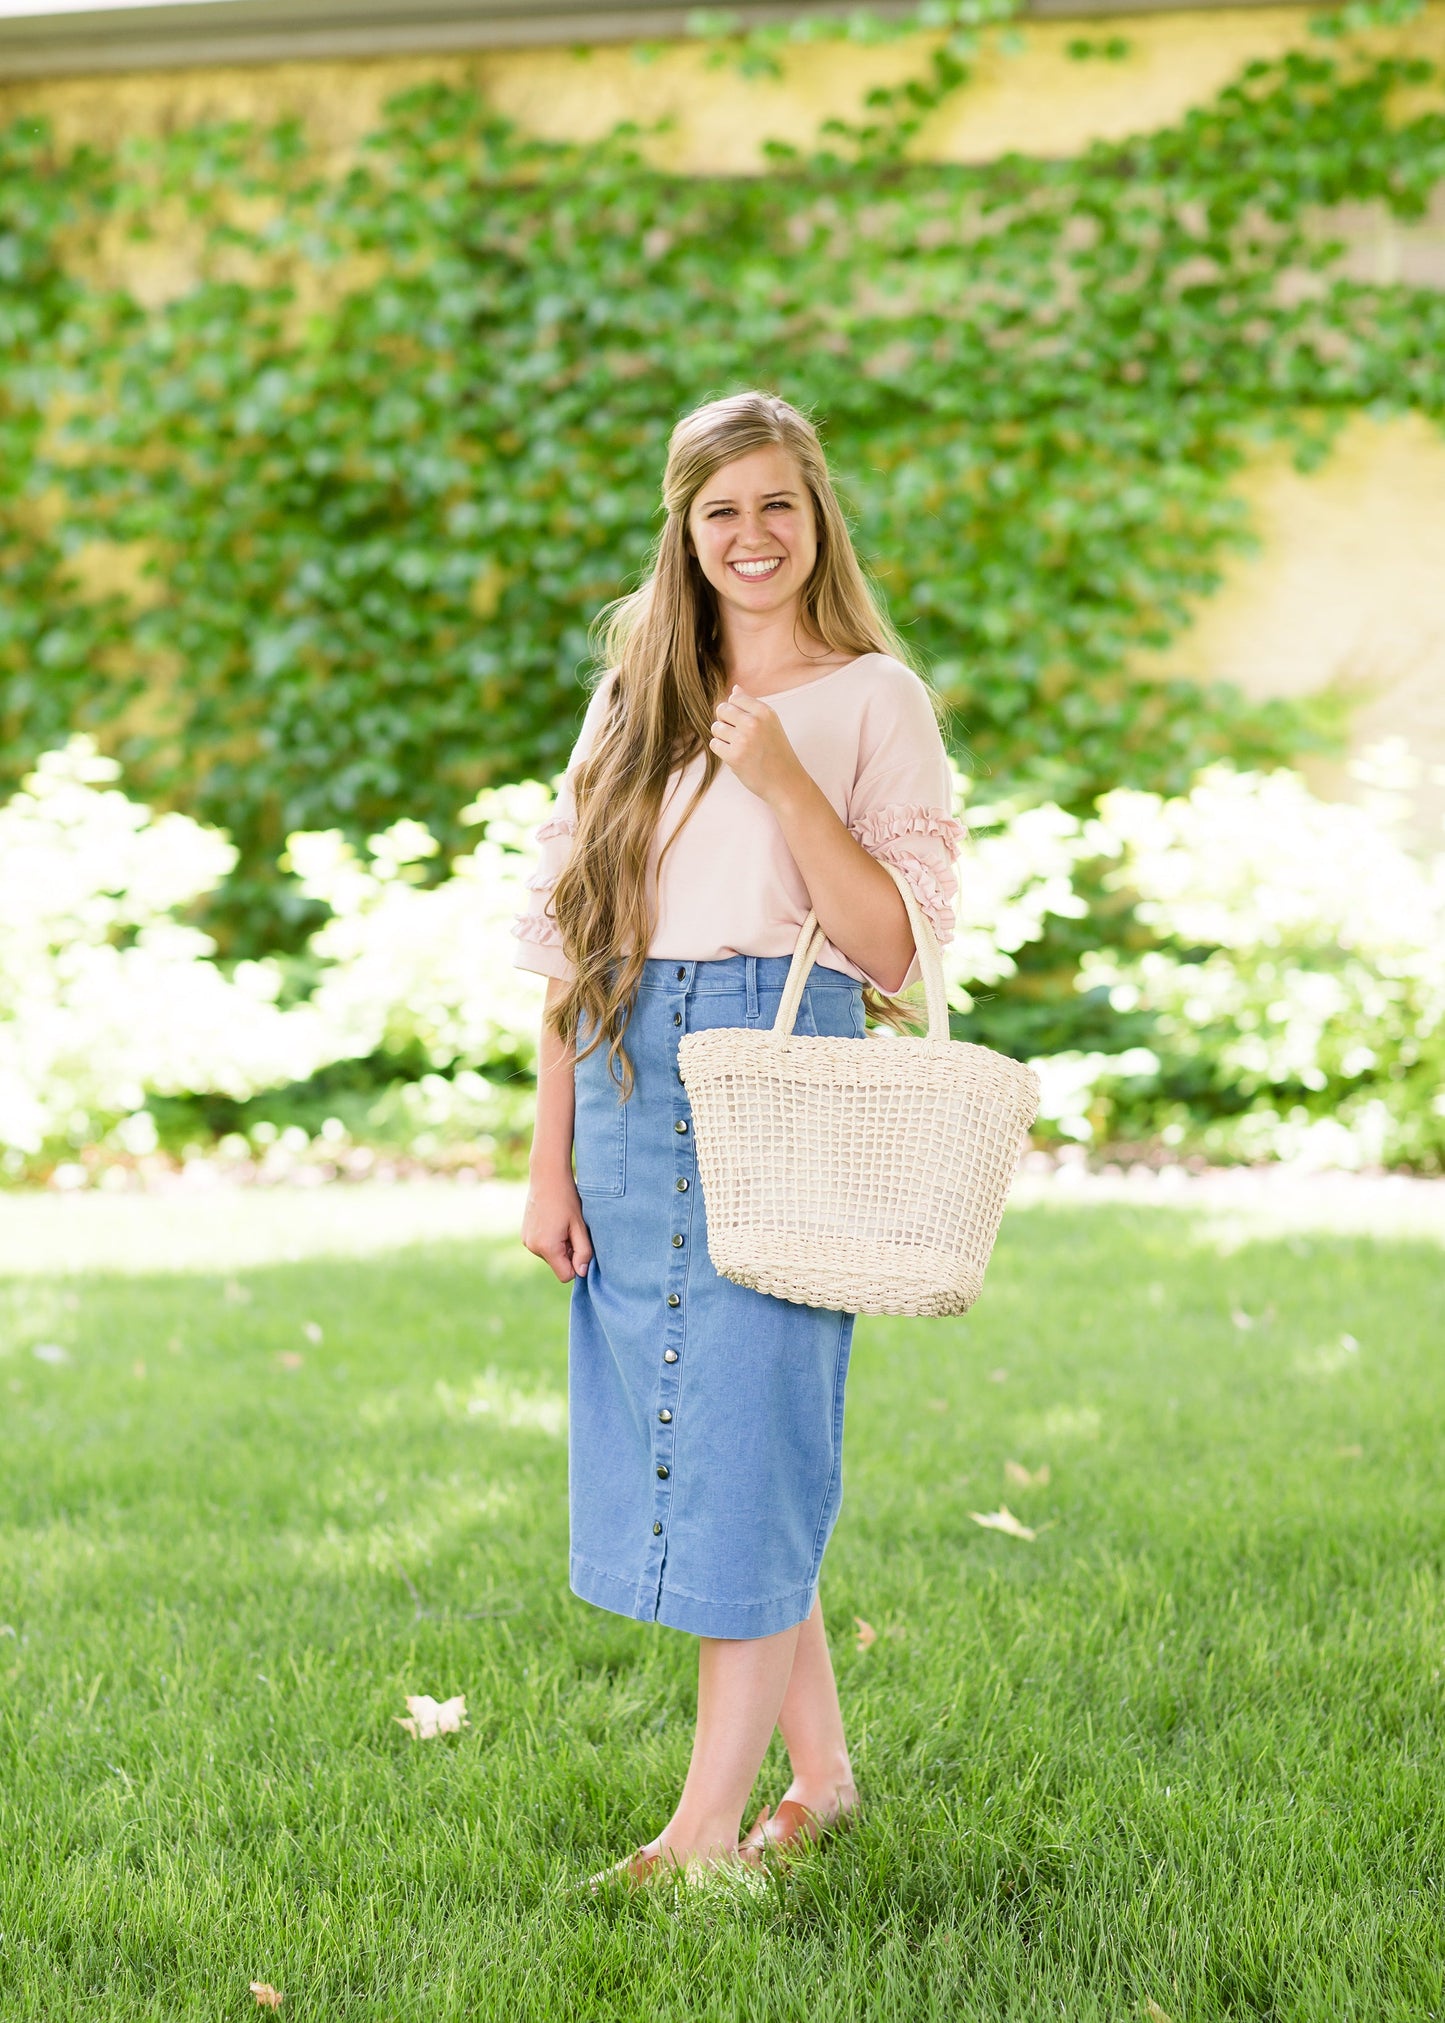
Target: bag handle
811 939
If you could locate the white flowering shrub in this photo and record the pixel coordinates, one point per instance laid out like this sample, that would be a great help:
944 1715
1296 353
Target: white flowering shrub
104 995
1017 869
413 967
1286 967
1296 987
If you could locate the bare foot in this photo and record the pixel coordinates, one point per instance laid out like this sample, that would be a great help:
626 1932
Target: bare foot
693 1856
659 1861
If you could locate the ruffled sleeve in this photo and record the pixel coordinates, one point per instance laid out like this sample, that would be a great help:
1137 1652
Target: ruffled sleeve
901 807
539 939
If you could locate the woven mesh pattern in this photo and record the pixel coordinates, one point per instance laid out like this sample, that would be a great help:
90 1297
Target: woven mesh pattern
868 1175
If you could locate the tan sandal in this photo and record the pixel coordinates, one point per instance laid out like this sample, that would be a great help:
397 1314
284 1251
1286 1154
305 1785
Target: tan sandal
792 1827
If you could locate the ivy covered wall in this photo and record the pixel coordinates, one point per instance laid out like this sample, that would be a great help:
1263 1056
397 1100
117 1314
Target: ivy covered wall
315 541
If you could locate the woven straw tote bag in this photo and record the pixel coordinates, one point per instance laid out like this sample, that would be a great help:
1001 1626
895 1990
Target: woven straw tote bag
867 1175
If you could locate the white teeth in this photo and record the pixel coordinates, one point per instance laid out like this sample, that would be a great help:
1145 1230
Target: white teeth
759 568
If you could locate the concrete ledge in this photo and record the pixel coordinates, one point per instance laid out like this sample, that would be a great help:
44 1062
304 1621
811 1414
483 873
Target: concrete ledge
180 34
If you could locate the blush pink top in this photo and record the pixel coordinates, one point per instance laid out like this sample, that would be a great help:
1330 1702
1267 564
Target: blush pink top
867 735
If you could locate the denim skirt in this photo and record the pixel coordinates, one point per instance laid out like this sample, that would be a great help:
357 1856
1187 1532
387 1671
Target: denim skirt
705 1419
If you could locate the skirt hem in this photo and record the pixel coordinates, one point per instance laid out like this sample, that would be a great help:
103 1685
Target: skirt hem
741 1621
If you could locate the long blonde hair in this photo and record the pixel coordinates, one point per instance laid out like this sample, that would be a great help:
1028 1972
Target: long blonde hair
663 645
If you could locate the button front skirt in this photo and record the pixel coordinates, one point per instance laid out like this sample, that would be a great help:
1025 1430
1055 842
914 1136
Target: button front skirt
705 1419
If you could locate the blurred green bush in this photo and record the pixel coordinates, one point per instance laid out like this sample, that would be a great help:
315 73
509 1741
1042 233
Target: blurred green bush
381 465
373 474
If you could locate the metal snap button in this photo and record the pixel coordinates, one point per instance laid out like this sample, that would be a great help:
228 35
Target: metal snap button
682 976
681 1127
677 1018
663 1473
674 1299
656 1530
677 1243
665 1416
681 1185
669 1355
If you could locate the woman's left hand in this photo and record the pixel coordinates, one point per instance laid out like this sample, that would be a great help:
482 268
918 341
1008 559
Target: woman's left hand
751 742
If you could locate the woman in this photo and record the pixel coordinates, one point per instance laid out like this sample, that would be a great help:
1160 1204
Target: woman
755 749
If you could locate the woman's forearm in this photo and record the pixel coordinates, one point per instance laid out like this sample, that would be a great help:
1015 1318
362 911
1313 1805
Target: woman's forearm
859 907
552 1129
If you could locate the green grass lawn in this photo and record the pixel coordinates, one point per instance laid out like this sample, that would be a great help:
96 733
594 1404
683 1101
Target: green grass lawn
1181 1750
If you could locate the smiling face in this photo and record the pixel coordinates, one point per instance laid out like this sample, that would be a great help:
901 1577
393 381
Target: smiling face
754 531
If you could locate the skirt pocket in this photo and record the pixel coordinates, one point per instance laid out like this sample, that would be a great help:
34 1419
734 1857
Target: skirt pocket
599 1129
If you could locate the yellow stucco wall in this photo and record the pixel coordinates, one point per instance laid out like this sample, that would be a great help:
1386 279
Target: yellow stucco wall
1347 591
1039 100
1349 586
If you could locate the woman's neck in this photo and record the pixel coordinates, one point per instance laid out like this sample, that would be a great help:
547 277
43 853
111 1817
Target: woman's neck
770 649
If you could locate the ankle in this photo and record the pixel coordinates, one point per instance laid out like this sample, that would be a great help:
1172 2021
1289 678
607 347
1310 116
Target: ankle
825 1791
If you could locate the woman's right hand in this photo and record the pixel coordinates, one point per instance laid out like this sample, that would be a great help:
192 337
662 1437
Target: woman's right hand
553 1227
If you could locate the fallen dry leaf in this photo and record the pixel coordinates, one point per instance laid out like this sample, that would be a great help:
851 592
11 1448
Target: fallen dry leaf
1155 2013
312 1332
1071 1422
1019 1477
1241 1319
267 1997
998 1376
426 1717
866 1633
1002 1519
1328 1360
290 1359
